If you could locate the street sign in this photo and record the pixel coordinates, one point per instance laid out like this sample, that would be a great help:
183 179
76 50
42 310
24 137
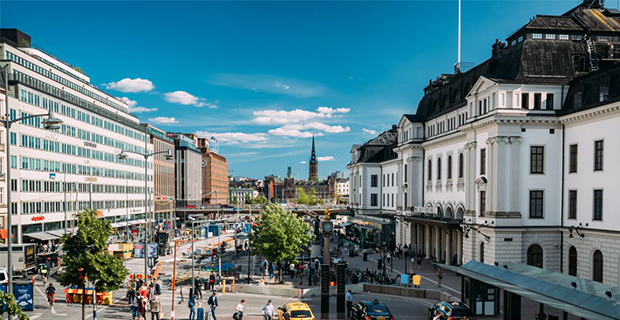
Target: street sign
52 176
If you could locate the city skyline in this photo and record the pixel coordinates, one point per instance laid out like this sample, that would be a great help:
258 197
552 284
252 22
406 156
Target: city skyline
250 91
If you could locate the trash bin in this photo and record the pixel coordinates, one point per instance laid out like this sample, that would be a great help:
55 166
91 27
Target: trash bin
365 256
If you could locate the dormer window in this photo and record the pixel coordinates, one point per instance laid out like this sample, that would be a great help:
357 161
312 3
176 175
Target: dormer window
537 36
602 38
604 92
550 36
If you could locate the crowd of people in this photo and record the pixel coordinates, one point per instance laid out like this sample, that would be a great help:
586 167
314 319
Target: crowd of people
144 299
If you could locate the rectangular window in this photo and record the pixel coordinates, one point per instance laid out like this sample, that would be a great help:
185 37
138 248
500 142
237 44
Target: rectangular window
483 161
598 205
577 37
483 202
537 101
549 101
563 37
405 173
598 155
536 204
577 100
603 92
373 200
602 38
550 36
392 179
537 36
572 204
373 180
525 101
537 159
572 165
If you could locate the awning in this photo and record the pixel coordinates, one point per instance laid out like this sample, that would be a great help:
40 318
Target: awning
43 236
344 225
119 224
586 300
141 221
59 233
450 224
367 227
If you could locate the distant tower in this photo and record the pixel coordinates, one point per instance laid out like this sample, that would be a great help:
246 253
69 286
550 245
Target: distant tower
289 173
313 172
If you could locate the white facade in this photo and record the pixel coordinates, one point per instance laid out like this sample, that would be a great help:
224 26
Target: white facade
342 187
241 194
83 153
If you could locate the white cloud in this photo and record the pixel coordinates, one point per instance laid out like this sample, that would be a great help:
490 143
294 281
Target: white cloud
187 99
164 120
297 130
234 137
303 162
369 131
141 109
295 116
326 158
269 84
131 85
129 102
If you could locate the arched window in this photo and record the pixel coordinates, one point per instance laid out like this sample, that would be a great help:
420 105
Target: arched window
449 214
597 266
430 170
436 106
461 165
438 168
459 213
467 88
572 261
439 212
446 101
482 252
455 96
535 256
449 167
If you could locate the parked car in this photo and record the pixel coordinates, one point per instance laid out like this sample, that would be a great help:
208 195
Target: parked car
450 311
297 311
371 310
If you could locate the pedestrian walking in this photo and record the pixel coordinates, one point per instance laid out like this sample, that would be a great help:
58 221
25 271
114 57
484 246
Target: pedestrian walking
131 294
439 277
212 281
157 288
197 284
418 260
134 308
141 308
268 311
285 314
238 315
348 298
191 304
213 304
156 307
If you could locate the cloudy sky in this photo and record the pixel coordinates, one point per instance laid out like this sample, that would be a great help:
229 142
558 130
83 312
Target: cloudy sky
264 77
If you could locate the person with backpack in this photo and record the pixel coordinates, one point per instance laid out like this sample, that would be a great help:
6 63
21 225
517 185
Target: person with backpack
238 315
191 304
213 304
212 281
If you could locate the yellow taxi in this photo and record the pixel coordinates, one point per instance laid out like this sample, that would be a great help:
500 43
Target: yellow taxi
297 311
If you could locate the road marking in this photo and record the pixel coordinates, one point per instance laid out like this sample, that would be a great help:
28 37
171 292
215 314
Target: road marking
45 299
101 309
423 277
35 316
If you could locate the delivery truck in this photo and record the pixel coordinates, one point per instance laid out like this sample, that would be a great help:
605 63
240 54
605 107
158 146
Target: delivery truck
24 258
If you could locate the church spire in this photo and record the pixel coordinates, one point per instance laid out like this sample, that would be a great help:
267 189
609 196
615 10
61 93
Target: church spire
313 170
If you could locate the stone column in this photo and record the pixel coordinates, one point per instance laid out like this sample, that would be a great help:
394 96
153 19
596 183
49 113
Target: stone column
470 178
490 174
515 152
427 242
417 182
437 234
459 247
449 246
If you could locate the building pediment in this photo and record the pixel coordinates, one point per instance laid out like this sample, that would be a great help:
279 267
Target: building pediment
481 85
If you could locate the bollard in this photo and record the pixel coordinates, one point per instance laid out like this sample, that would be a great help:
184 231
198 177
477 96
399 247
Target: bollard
233 286
223 285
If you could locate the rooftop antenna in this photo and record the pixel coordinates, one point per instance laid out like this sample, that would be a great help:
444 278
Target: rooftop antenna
457 67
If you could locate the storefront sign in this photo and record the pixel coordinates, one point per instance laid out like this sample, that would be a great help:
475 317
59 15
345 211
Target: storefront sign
91 179
37 218
90 144
425 210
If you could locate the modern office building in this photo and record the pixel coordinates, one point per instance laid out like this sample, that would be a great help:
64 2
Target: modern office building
188 170
164 182
511 160
56 174
214 175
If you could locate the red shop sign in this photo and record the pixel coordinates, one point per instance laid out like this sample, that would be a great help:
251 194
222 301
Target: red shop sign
37 218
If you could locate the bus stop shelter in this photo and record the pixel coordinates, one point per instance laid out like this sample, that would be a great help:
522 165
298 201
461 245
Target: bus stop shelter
579 297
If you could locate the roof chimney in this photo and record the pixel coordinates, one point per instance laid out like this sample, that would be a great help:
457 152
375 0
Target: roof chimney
498 48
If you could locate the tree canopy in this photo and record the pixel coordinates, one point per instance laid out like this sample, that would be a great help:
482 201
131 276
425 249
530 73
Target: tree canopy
7 300
86 256
302 196
280 235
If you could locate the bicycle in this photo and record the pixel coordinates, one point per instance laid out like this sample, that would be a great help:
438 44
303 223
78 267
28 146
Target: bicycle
50 300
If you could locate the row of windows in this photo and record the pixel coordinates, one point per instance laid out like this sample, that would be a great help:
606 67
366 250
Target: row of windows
79 88
597 264
446 125
449 167
28 163
537 204
599 146
57 186
63 95
57 206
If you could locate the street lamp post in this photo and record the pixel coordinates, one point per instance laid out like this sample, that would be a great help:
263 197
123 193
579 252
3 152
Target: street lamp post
50 123
168 156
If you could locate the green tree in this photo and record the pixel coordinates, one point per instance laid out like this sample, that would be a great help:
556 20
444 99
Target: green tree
235 201
12 308
313 198
23 43
87 258
248 199
280 235
302 197
260 200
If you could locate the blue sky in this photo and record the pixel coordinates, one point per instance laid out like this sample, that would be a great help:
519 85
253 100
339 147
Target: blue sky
264 76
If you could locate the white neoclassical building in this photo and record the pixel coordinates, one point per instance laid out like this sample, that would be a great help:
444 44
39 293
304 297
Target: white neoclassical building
513 160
